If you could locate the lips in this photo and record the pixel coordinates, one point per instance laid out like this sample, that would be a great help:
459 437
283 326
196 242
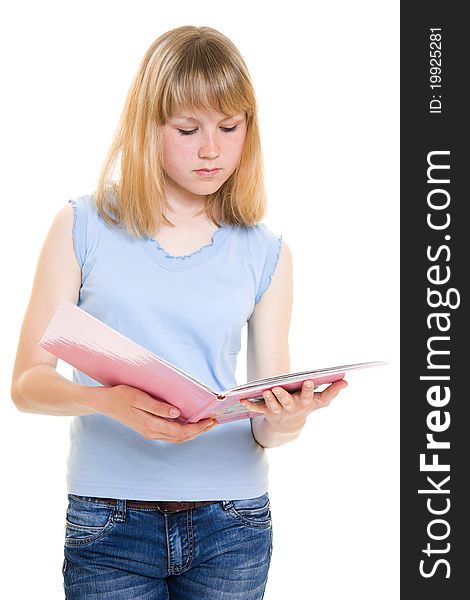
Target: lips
207 173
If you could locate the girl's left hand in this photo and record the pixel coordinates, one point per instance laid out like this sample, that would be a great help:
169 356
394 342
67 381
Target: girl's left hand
287 413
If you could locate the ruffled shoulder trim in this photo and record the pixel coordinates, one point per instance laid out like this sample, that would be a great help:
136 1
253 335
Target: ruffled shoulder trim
273 251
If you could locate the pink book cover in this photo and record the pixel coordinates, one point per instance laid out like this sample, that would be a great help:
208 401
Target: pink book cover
111 358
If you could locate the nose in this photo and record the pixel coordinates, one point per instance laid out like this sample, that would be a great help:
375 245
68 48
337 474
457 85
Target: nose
209 147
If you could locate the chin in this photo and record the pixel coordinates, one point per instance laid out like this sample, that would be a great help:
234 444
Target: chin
204 188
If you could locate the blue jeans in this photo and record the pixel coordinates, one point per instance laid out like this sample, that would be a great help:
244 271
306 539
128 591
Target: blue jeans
220 551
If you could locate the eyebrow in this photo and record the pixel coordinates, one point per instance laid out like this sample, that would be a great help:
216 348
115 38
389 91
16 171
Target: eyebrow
186 118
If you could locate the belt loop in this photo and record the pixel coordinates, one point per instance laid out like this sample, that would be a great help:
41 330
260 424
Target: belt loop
120 511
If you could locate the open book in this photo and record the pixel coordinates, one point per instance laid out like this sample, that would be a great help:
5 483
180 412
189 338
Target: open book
111 358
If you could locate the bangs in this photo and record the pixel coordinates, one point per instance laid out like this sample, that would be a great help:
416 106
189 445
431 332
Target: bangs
204 80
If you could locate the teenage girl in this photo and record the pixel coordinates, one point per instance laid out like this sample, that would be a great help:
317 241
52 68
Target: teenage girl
171 252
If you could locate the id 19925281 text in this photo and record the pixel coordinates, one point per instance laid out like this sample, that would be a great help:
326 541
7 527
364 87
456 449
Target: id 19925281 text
435 70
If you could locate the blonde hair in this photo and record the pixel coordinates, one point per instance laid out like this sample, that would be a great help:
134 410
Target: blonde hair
185 68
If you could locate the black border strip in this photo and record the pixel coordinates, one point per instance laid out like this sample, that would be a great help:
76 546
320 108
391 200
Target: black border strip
434 270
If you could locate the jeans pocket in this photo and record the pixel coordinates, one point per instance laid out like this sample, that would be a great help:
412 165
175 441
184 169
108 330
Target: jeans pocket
254 512
86 520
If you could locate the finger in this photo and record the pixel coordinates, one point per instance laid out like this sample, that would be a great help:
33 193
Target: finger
192 436
180 430
330 392
203 425
307 392
271 402
156 407
334 388
284 398
258 407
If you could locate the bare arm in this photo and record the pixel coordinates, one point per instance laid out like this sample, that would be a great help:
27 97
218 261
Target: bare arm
42 390
283 415
268 341
37 387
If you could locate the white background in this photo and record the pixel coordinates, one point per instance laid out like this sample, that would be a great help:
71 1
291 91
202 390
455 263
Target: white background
326 76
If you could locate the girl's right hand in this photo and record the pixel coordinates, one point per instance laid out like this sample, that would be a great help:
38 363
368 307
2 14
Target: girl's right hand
146 415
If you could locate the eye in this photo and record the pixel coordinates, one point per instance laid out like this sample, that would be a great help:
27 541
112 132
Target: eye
191 131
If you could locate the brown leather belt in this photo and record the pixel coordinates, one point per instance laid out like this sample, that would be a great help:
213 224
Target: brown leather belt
165 506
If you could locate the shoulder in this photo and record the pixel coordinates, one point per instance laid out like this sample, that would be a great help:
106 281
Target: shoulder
260 240
269 255
87 217
261 233
272 242
86 226
85 204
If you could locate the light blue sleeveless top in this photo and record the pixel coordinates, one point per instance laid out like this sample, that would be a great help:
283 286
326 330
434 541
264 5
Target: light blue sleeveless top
189 310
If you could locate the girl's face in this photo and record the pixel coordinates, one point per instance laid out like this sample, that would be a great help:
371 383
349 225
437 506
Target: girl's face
202 140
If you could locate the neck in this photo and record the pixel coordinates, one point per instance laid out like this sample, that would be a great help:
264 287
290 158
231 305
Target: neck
184 207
